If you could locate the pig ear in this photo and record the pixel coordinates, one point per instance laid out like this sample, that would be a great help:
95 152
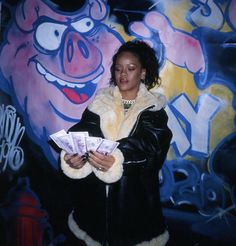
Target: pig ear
98 9
28 11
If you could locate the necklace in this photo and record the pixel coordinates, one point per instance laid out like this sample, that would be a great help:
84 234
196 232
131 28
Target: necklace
127 104
128 101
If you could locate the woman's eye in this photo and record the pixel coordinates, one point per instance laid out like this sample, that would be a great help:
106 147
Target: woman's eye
48 35
83 25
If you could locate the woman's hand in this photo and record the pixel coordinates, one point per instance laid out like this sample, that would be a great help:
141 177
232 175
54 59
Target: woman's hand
100 161
74 160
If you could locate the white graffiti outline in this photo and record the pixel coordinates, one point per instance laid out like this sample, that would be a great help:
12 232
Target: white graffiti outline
11 133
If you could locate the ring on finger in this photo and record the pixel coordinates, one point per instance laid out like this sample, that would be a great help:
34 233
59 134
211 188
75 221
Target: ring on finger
100 168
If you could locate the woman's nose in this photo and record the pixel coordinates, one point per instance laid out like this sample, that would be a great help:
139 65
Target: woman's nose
123 72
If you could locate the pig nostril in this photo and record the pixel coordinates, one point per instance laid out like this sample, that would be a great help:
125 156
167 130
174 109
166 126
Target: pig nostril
70 50
83 49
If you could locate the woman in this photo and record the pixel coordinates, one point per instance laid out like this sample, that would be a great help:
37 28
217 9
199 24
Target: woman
118 194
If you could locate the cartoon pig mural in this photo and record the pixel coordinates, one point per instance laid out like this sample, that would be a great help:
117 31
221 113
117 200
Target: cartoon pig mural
53 62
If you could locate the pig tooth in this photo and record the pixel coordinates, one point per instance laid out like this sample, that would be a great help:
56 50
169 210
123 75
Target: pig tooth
75 85
52 78
95 81
61 82
41 69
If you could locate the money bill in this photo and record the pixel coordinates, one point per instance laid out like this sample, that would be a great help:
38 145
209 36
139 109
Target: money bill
107 146
92 143
63 140
78 139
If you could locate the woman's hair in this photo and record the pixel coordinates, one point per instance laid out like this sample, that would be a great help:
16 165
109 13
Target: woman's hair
147 58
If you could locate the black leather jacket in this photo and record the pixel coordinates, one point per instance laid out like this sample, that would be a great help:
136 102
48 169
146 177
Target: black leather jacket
127 211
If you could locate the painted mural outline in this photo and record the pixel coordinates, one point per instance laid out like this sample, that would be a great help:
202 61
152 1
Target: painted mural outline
11 133
65 74
210 12
194 137
58 47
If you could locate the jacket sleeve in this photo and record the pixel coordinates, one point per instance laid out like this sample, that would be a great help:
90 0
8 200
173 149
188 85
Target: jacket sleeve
90 122
115 172
73 172
149 141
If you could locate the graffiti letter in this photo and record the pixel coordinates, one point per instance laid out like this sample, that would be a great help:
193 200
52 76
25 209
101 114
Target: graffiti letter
11 133
179 139
198 125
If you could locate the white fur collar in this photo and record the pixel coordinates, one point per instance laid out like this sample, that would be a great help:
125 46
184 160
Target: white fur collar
108 105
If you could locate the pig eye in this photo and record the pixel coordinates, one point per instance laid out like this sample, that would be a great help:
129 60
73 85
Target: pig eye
83 25
49 35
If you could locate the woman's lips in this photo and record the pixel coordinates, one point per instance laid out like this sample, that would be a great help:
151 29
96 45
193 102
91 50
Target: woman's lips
123 81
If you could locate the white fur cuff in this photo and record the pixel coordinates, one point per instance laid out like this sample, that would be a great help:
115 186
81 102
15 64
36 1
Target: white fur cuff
72 172
161 240
115 172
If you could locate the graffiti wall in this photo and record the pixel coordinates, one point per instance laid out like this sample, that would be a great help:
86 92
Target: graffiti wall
55 55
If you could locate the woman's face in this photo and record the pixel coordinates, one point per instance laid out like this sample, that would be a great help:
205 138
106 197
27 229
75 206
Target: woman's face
128 74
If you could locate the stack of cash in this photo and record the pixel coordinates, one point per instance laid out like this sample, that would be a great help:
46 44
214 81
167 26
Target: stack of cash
81 143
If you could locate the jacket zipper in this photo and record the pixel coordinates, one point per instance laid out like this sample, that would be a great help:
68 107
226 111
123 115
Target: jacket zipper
106 243
135 126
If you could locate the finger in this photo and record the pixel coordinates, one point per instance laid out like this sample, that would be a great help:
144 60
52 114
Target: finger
105 160
78 164
96 158
75 160
157 21
100 161
67 156
97 163
78 159
138 28
99 156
